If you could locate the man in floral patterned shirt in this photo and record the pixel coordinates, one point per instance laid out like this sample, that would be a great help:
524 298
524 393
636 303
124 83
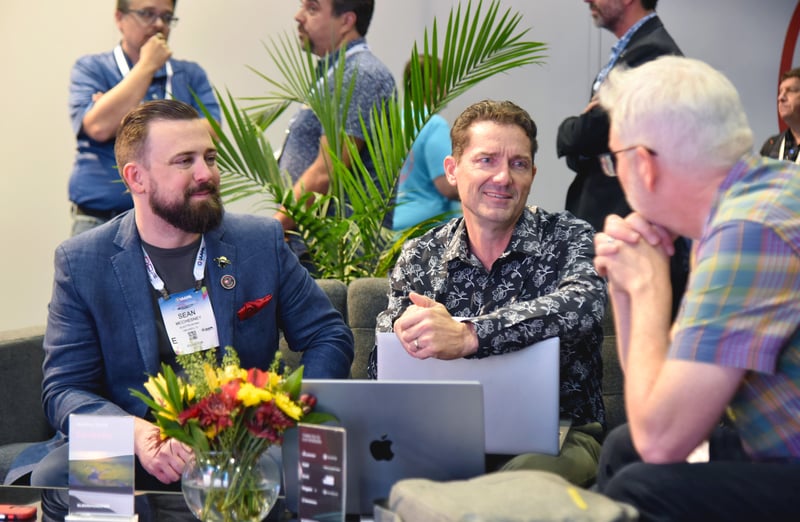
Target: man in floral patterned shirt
517 274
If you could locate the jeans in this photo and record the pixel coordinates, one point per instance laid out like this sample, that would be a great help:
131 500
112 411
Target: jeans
82 222
728 488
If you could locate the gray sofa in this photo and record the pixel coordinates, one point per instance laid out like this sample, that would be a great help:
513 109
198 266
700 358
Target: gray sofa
22 420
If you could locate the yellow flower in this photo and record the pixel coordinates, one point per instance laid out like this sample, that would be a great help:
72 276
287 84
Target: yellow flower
252 396
211 377
288 406
231 373
154 385
189 391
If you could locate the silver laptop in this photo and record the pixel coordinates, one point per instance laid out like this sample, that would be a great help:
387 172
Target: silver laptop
521 390
432 430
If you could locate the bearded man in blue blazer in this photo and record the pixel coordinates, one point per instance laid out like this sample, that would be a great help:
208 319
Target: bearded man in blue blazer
113 320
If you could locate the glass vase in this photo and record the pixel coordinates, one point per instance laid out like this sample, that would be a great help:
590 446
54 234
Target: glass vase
219 487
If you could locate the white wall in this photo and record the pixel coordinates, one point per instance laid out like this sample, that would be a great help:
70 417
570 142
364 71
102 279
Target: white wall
41 40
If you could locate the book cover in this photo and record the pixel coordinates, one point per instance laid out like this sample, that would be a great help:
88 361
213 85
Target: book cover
101 466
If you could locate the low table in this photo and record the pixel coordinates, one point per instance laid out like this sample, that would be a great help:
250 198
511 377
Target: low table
152 506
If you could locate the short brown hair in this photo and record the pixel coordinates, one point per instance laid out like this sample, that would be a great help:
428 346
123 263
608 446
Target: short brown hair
133 131
500 112
791 73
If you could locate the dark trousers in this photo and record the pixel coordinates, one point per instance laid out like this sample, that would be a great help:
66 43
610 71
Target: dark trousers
728 488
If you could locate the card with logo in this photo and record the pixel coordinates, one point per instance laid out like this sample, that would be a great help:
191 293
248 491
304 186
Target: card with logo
322 472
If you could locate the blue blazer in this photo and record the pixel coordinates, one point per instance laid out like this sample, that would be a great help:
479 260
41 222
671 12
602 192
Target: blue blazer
101 338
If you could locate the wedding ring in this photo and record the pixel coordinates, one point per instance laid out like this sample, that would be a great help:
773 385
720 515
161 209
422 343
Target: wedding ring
610 240
416 344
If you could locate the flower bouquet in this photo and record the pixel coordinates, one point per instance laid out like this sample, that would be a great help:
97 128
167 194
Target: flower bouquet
229 416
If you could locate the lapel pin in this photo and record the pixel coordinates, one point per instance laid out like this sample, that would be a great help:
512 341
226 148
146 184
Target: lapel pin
227 281
222 261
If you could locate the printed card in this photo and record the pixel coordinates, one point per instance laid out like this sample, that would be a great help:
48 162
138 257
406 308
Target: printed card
322 472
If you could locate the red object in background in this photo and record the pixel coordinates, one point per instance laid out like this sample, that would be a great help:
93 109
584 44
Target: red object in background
14 512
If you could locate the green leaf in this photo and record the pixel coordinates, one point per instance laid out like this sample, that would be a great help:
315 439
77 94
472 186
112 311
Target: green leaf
318 417
293 383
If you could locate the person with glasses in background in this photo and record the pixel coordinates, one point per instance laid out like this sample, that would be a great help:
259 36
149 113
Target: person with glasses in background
106 86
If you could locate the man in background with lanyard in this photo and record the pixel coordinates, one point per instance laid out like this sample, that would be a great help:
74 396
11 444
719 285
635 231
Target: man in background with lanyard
785 146
593 195
175 275
327 27
104 87
642 37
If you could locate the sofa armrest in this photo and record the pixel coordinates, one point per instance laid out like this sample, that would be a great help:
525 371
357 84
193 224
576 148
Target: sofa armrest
366 298
613 379
337 293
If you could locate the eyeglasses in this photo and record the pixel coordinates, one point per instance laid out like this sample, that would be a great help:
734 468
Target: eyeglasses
608 161
149 16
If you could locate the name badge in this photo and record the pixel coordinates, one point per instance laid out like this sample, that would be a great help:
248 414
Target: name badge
189 319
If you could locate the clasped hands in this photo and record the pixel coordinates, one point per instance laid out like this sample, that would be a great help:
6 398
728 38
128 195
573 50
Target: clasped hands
633 254
426 329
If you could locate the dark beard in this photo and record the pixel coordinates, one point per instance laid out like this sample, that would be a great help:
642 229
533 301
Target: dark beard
197 217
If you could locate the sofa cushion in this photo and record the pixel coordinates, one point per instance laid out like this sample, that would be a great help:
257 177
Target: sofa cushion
366 298
613 380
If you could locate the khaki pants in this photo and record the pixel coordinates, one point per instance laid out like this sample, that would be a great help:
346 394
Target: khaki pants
577 461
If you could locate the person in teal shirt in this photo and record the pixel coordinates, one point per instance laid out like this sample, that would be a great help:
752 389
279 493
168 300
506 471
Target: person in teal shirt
423 192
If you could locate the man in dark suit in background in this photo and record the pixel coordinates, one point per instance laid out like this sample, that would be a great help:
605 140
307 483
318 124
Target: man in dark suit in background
593 195
642 37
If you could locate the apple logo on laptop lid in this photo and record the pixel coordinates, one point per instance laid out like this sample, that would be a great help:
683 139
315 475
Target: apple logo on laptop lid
381 449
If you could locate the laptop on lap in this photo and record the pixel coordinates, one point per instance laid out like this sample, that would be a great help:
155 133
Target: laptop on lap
396 430
521 391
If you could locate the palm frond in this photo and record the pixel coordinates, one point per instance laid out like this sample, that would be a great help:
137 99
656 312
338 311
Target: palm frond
344 228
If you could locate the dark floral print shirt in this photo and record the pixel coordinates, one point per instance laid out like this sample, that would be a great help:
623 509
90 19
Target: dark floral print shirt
544 285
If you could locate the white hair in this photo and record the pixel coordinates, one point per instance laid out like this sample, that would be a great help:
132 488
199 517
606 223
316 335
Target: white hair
682 108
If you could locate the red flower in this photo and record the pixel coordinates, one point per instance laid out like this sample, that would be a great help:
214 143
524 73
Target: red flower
192 412
251 308
216 410
307 403
257 378
269 422
229 392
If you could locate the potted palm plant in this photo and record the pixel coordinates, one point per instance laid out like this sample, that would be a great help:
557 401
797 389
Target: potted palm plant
343 229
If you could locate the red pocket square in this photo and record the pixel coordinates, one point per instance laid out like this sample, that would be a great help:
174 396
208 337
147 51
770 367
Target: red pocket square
251 308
